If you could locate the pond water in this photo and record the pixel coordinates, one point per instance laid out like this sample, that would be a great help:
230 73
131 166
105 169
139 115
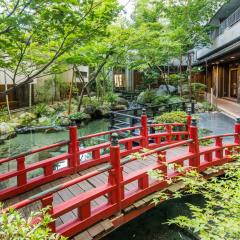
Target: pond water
26 142
217 123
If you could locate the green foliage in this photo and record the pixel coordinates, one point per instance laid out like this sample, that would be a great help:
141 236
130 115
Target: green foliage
150 76
40 110
36 37
147 96
198 90
91 101
172 117
4 117
158 100
77 116
14 226
208 107
219 218
111 98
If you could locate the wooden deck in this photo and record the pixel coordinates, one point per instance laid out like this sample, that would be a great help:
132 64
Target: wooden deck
84 186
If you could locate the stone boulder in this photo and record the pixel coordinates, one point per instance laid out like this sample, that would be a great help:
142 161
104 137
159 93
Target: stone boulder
44 121
122 101
119 107
26 118
6 129
140 98
162 90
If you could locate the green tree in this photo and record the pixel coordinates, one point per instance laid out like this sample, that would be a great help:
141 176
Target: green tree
170 29
101 55
35 35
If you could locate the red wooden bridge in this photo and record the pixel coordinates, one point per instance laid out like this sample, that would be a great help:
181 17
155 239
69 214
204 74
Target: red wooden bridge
91 197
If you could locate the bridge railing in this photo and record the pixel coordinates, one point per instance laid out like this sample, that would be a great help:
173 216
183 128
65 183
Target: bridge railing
193 157
131 117
26 174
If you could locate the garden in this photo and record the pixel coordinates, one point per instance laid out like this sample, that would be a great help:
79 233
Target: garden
42 42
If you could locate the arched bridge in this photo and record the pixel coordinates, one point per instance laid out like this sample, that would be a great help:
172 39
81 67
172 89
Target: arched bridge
95 189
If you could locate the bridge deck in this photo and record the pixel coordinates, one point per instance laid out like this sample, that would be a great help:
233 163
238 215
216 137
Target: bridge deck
84 186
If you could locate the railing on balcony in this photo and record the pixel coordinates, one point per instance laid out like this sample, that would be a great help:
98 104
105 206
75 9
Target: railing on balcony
227 23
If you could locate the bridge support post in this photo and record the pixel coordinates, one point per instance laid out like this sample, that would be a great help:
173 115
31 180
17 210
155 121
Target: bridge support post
189 121
112 120
237 131
193 107
74 147
169 133
184 106
144 129
162 161
219 143
48 202
194 146
115 174
21 179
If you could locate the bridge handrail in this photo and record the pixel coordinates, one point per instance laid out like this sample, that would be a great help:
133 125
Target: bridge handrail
57 188
109 132
153 106
37 150
218 136
167 124
125 115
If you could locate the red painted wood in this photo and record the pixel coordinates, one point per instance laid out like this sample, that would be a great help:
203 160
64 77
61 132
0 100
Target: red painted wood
144 131
194 146
22 178
48 202
237 131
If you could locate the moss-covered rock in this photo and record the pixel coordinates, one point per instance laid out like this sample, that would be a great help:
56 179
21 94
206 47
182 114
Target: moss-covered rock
6 129
26 118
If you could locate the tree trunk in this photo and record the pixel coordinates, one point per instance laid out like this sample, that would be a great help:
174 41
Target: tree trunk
70 94
81 79
164 79
7 100
180 81
190 75
92 80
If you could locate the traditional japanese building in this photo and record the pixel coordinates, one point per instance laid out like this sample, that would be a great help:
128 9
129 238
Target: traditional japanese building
220 61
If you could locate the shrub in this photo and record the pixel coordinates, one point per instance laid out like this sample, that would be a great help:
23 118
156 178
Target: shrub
4 117
77 116
147 97
158 100
111 98
40 110
91 101
207 107
172 117
14 226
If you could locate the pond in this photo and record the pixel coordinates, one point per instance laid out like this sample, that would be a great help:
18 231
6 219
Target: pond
26 142
217 123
